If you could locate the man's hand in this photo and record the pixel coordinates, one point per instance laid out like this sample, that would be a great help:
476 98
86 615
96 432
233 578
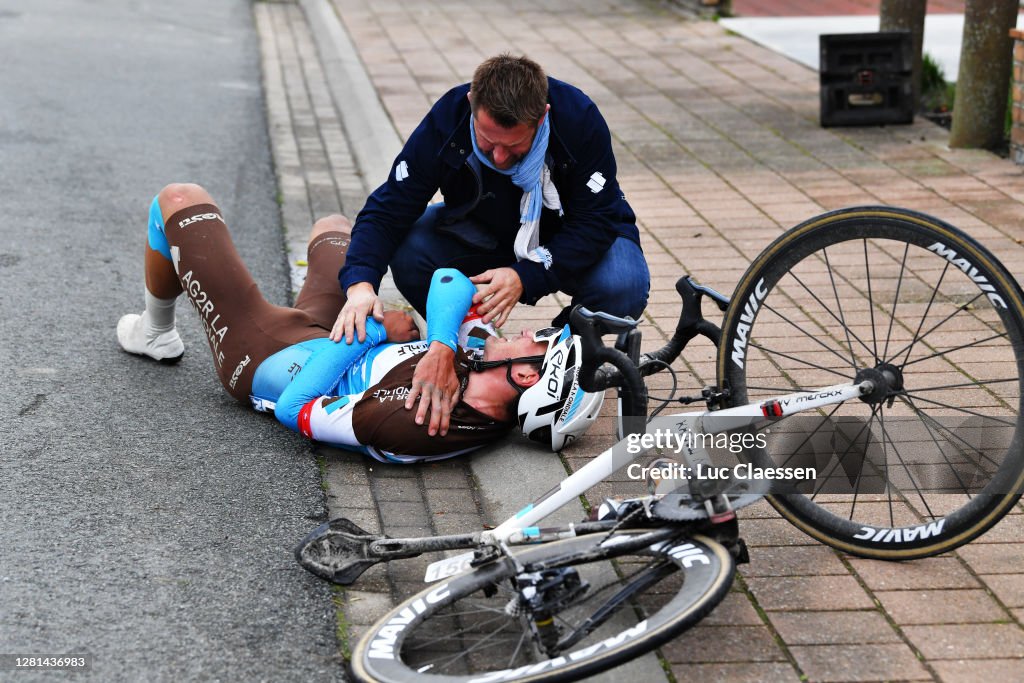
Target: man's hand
499 295
400 327
361 301
436 386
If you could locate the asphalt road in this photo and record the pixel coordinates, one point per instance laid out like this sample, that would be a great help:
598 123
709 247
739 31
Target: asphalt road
147 519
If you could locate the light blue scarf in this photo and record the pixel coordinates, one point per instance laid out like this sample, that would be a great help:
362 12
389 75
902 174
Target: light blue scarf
533 177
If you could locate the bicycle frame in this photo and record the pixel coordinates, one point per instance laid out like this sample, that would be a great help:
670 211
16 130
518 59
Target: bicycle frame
521 526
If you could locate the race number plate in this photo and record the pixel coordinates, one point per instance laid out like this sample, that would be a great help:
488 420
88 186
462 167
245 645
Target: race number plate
451 566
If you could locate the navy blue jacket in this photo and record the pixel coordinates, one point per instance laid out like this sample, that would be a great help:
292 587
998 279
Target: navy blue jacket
435 157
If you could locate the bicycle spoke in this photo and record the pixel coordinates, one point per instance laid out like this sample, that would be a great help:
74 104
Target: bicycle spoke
938 447
895 300
980 382
871 304
958 409
803 443
860 470
955 348
780 354
907 400
839 307
808 335
910 474
829 311
909 347
924 317
885 468
839 458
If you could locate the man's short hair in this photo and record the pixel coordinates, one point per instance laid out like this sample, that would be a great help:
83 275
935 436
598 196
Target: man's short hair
512 90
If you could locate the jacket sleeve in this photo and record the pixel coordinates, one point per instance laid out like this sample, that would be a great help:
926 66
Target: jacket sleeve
591 202
391 210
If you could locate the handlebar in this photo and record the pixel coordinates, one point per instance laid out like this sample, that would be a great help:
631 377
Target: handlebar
622 366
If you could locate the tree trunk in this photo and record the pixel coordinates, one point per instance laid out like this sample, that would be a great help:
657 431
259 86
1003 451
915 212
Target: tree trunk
907 15
983 85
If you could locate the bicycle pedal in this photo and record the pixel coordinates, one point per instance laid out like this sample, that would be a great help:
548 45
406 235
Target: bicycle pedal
719 510
739 551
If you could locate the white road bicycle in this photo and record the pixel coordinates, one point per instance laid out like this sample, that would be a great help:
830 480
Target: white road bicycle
892 340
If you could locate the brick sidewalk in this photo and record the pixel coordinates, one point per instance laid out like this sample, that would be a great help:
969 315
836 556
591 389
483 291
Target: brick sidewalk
719 151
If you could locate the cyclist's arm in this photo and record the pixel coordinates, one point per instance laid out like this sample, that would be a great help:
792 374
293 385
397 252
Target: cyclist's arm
435 386
320 375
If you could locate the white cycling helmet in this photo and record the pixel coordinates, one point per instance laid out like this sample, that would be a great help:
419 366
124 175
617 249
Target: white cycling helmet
556 410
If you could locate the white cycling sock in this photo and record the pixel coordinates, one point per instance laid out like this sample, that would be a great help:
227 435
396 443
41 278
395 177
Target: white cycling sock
161 313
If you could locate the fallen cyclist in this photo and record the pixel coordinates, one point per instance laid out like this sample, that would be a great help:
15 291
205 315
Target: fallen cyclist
390 396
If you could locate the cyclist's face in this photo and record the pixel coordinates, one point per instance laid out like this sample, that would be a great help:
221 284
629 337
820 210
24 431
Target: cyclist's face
502 348
504 147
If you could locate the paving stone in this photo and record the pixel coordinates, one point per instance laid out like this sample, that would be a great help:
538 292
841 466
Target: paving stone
932 572
967 641
736 672
1008 588
811 560
940 606
971 671
859 663
443 501
779 532
365 607
833 628
397 489
735 610
346 496
993 558
456 523
723 644
408 514
809 593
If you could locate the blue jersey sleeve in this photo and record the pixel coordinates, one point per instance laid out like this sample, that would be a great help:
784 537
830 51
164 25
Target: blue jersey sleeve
321 372
450 297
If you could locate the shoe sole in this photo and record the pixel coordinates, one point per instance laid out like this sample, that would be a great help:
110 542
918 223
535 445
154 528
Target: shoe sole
170 361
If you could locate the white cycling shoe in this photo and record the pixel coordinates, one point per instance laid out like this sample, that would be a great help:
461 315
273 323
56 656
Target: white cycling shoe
134 337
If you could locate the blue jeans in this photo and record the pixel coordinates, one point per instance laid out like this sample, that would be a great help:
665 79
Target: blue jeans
617 284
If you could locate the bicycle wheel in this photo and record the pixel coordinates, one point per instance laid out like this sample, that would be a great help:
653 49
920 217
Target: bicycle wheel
497 623
933 458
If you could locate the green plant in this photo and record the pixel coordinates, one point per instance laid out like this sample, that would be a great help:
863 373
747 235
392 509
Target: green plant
936 94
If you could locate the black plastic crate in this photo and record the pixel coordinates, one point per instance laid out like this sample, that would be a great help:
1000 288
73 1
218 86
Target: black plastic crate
866 79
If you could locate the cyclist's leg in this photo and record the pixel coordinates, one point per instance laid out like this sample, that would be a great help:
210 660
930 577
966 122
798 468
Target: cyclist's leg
321 296
242 328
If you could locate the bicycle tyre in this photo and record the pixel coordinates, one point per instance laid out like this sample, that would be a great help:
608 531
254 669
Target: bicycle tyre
388 650
798 300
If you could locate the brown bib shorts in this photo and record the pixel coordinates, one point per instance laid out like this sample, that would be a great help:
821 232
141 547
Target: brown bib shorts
243 328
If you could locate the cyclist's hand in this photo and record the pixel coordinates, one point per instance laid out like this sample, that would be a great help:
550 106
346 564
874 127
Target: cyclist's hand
361 301
436 386
400 327
499 295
